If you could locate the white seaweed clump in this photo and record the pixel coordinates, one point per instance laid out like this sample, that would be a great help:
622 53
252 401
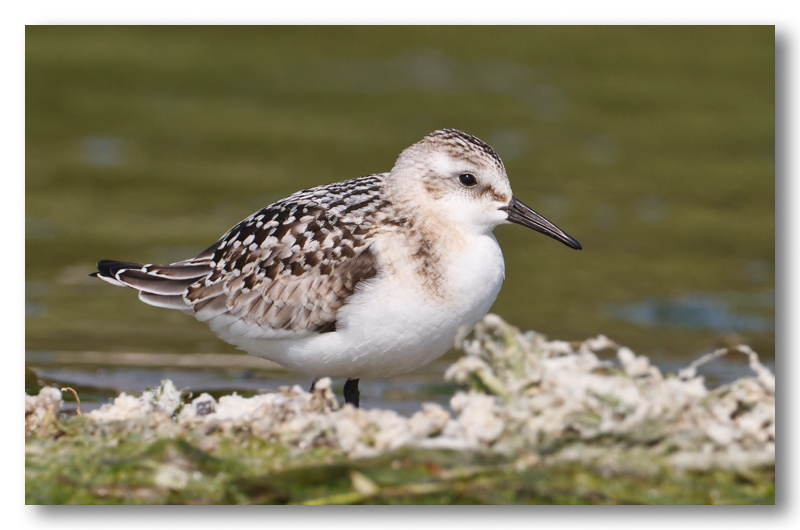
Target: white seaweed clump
292 416
41 411
303 420
551 394
164 400
524 395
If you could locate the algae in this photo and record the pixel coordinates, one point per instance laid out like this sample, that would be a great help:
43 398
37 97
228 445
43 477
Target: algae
536 421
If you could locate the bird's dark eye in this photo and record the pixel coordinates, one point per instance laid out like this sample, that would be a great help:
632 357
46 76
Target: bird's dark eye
467 179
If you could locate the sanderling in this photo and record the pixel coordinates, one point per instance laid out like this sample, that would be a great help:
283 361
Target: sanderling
366 278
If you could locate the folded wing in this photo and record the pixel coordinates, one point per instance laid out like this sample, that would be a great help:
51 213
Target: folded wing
283 272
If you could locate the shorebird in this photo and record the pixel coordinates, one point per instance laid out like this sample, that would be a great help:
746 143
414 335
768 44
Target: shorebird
366 278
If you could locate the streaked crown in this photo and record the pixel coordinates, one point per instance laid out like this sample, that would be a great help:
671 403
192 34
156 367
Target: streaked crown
454 176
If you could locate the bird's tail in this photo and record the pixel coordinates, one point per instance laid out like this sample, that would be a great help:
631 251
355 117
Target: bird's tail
158 285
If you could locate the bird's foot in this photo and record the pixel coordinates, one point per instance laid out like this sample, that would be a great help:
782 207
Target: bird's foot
351 392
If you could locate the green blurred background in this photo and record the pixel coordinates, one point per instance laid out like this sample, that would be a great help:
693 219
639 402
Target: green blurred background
653 146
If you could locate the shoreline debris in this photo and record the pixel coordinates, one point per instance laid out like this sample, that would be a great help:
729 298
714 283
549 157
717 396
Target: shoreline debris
521 394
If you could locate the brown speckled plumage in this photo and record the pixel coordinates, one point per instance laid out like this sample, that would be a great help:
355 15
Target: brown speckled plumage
293 264
289 266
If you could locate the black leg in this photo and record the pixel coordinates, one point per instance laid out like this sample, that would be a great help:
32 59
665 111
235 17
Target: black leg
351 392
313 384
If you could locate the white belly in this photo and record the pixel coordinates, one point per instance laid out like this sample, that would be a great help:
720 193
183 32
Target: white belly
394 325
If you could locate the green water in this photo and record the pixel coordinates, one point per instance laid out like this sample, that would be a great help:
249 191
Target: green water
653 146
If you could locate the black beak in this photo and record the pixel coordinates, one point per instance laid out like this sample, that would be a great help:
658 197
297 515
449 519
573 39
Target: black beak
520 213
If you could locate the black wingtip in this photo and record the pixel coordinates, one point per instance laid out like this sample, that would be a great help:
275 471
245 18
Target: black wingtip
110 267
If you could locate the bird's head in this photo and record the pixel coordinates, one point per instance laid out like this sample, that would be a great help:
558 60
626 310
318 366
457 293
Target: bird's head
461 179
